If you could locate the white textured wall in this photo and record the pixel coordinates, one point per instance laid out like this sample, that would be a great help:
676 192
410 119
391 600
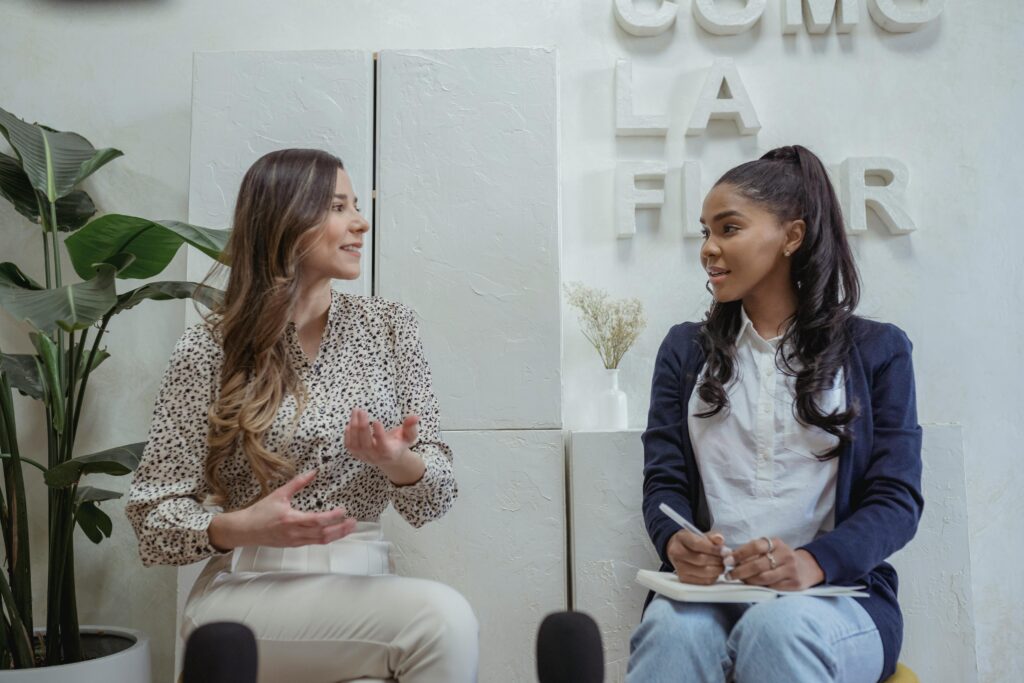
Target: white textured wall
947 101
245 104
502 545
610 545
468 215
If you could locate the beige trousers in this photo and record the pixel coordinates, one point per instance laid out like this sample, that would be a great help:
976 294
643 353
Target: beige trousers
324 614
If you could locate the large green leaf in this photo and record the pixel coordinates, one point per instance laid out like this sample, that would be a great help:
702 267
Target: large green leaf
54 161
95 523
73 307
162 291
153 243
116 461
16 188
11 275
73 211
21 372
101 355
49 376
91 494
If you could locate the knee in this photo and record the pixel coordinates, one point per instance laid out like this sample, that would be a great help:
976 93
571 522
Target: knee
670 625
784 623
446 616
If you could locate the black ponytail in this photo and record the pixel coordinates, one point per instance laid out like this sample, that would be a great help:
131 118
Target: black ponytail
792 183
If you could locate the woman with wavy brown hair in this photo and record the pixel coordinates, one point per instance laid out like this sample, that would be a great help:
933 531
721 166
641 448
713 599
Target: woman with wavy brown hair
285 425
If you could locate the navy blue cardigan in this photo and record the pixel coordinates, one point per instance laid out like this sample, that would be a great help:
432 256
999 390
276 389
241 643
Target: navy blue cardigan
878 487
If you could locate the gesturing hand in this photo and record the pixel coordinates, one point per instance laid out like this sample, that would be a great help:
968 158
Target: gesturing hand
772 563
375 445
272 521
697 559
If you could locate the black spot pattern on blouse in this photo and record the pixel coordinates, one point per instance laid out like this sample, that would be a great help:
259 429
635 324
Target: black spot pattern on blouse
370 357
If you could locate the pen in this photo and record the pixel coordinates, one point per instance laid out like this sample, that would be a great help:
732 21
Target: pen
689 526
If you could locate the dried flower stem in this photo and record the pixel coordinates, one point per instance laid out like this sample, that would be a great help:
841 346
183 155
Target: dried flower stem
611 326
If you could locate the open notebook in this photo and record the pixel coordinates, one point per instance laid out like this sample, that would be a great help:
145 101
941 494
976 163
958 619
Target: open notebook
669 585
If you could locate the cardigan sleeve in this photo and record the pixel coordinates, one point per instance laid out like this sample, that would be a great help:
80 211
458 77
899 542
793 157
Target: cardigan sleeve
433 495
886 503
666 475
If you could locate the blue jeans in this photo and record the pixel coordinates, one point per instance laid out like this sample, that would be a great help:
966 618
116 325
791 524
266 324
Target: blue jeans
793 639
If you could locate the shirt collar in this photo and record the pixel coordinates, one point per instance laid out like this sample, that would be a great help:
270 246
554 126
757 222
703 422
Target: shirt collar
748 332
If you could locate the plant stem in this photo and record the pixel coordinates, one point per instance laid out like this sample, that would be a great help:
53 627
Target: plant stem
22 643
71 638
56 243
46 256
88 372
16 536
46 241
76 352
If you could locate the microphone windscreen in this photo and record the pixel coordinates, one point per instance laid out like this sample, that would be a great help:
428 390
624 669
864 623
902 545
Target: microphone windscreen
221 652
569 649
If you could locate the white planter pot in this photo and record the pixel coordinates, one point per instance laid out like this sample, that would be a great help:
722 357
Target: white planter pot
612 409
130 665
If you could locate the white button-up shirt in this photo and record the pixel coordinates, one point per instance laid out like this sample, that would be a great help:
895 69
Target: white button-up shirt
757 462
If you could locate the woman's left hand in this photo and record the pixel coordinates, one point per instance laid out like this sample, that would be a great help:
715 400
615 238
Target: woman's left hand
776 565
388 450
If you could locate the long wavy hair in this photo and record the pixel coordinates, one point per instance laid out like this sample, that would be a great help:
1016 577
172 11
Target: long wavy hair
792 184
284 198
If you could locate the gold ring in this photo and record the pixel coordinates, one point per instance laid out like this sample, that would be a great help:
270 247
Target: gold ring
771 560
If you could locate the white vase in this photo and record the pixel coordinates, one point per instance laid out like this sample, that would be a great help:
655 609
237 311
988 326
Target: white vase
612 407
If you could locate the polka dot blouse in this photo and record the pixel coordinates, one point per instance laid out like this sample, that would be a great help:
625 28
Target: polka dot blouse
370 357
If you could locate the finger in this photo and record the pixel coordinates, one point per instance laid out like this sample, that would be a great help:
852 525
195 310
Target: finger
698 579
333 533
296 484
361 437
781 578
378 434
698 544
410 429
348 435
753 568
753 549
322 519
684 569
696 560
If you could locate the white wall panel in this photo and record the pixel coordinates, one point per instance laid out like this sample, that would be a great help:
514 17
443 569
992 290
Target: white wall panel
503 544
468 226
609 540
935 569
245 104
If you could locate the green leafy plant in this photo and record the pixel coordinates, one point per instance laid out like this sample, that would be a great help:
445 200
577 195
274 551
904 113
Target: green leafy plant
610 325
66 323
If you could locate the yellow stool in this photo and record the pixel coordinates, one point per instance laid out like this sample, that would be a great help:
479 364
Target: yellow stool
903 675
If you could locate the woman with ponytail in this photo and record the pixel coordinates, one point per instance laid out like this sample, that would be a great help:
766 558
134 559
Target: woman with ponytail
285 424
785 427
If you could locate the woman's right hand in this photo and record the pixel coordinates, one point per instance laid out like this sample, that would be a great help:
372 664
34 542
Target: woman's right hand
271 521
697 559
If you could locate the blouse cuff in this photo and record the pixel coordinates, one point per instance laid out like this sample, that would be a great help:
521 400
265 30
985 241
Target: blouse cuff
423 489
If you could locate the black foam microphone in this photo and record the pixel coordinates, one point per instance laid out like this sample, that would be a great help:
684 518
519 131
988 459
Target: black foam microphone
569 649
221 652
